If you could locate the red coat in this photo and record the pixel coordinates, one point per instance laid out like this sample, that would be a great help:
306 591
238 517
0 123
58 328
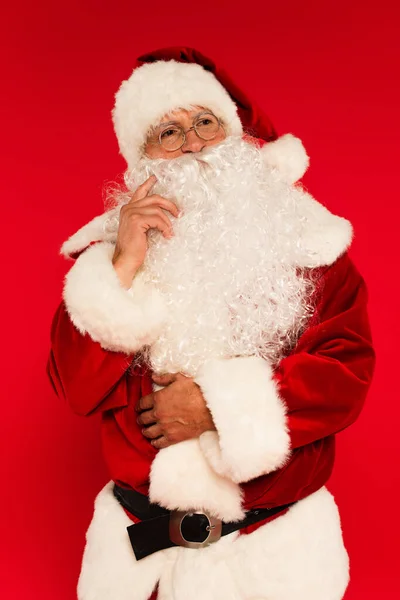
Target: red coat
323 383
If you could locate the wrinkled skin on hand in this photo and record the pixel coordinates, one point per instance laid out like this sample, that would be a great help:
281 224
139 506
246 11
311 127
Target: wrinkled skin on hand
175 413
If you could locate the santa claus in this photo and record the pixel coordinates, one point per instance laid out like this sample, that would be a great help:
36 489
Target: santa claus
214 317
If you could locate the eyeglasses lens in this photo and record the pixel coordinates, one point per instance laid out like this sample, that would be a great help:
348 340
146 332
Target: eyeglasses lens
206 127
172 138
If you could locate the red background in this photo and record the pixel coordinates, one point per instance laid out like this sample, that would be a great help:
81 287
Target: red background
326 71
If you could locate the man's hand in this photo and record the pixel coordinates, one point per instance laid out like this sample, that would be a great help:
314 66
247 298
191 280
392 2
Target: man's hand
174 414
144 211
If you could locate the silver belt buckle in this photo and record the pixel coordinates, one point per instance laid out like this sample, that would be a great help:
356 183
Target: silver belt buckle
214 529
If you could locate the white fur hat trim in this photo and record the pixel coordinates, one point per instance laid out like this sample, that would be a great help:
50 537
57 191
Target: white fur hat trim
155 89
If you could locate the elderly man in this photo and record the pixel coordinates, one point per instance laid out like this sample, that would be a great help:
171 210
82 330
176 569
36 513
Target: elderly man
214 317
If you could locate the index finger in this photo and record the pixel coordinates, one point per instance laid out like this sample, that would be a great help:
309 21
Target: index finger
145 403
143 189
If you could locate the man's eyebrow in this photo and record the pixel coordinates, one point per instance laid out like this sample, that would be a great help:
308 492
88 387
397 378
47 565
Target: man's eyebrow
166 123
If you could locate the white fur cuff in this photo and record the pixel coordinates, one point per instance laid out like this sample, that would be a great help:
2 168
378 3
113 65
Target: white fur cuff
250 418
121 320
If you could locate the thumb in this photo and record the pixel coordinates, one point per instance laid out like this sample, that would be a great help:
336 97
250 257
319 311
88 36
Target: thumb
164 379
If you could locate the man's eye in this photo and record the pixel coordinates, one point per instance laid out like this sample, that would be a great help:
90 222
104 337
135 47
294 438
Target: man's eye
204 121
168 133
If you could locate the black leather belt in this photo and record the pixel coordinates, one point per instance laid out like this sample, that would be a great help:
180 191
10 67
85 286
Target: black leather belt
160 528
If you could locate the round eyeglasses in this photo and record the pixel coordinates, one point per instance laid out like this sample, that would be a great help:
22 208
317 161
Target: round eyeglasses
205 126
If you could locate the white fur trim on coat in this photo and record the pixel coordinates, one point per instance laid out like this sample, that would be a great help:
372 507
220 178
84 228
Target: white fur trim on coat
182 479
298 556
288 156
323 236
110 570
102 228
250 417
155 89
120 319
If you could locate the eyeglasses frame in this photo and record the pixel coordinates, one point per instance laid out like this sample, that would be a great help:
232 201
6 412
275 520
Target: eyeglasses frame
193 128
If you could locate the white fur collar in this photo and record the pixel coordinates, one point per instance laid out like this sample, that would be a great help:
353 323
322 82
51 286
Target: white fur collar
326 237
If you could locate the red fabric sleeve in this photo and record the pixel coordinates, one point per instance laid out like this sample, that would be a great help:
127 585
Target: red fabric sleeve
88 377
325 380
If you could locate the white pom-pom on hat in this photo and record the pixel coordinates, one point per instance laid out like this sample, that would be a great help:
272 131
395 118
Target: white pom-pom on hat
288 156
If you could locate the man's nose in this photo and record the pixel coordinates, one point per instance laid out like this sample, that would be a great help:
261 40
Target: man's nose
192 142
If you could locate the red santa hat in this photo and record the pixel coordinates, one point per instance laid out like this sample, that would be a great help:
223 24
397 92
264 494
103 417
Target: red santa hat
172 78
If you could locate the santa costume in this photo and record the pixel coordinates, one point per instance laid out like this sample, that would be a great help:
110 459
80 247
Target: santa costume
257 299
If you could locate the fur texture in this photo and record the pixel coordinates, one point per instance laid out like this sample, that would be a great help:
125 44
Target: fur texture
121 320
299 556
109 568
323 238
100 229
182 479
288 156
252 437
155 89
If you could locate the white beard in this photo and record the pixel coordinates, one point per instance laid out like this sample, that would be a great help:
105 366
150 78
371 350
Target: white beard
229 275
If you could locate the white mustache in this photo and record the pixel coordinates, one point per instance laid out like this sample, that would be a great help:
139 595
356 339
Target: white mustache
208 164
